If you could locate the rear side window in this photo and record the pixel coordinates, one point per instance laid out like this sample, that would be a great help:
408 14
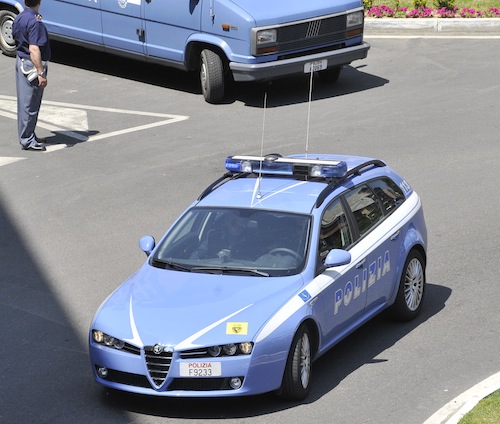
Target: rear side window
365 208
335 232
388 193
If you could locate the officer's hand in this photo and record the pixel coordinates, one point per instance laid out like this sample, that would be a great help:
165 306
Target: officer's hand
42 81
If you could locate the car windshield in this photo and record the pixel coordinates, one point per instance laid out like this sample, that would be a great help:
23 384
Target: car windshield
236 242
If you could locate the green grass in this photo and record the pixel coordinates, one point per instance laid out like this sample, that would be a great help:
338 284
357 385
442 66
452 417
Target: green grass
487 411
472 4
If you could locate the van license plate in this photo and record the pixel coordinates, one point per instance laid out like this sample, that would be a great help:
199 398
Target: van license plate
318 65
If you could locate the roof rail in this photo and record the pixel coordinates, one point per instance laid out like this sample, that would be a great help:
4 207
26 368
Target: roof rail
219 181
228 176
351 172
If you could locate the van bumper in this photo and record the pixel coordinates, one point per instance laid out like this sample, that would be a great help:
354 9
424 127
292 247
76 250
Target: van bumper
278 68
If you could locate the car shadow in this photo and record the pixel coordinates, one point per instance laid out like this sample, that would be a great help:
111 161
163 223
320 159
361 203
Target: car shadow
357 350
281 92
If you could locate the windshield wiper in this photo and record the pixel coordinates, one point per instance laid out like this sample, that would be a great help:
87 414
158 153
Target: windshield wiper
226 270
158 263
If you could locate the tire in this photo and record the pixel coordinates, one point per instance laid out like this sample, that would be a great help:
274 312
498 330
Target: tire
411 290
211 76
330 75
297 378
7 43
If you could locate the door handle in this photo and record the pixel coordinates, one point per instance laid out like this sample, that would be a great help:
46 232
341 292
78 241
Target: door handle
395 235
361 264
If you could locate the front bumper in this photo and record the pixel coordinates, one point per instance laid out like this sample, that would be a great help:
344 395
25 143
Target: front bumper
262 71
129 372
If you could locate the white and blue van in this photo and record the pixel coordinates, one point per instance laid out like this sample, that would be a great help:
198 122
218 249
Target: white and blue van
246 40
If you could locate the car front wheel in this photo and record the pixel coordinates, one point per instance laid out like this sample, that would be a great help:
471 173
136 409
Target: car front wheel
411 288
297 378
211 76
7 43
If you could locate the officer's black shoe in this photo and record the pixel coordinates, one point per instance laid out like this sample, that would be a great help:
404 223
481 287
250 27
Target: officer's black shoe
36 146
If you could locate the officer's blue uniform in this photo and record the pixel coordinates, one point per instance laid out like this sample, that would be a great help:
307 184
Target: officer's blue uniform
28 29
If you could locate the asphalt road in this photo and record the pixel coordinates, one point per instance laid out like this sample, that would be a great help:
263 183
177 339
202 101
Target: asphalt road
132 145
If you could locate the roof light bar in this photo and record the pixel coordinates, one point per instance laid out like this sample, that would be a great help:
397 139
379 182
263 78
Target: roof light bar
277 165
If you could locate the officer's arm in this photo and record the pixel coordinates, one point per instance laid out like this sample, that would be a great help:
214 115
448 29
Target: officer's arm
36 58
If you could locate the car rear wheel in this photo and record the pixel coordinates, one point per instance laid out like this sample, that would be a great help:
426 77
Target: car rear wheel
297 378
211 76
7 43
411 288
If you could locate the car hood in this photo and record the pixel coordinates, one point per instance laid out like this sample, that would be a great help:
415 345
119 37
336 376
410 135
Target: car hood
187 310
267 12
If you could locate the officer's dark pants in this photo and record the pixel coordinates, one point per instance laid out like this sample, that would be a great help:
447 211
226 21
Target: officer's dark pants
29 99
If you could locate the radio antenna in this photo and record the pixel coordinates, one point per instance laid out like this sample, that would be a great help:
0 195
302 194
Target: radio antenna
309 109
259 194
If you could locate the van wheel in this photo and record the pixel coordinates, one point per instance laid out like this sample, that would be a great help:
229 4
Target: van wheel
411 290
330 75
7 43
297 378
211 76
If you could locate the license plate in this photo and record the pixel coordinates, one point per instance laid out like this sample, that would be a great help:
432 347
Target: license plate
201 369
318 65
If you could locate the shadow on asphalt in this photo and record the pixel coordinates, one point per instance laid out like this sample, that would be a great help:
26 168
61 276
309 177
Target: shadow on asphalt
45 375
281 92
359 349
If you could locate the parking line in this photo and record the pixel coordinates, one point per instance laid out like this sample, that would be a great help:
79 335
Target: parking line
166 119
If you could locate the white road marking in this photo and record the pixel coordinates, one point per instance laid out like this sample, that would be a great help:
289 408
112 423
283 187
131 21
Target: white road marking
71 120
7 160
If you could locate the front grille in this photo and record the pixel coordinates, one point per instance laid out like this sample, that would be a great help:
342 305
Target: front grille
313 33
131 349
200 384
158 364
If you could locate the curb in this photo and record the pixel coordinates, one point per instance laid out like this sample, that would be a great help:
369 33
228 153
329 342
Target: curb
453 412
442 26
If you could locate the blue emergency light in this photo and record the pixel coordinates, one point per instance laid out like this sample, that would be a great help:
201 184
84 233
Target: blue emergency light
277 165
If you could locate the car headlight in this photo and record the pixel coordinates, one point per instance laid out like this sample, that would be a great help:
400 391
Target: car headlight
354 19
246 348
107 340
215 351
266 36
231 349
266 41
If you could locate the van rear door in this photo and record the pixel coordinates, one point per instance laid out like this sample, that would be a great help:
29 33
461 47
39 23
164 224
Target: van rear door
122 25
169 23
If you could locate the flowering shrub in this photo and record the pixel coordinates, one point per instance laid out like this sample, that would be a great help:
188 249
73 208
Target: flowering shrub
426 12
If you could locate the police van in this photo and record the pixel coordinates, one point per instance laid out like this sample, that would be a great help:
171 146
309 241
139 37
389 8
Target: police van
223 40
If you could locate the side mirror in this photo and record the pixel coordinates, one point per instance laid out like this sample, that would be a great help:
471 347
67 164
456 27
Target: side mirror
337 257
147 244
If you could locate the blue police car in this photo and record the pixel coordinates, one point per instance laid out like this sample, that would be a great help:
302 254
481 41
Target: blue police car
273 264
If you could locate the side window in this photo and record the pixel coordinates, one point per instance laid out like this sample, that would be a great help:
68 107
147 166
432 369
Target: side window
335 232
365 208
389 194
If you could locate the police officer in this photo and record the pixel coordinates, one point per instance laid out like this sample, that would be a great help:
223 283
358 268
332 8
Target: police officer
33 52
